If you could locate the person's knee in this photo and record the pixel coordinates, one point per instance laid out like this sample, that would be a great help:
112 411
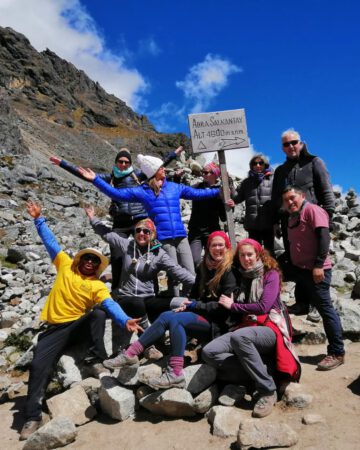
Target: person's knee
240 342
208 354
165 317
98 314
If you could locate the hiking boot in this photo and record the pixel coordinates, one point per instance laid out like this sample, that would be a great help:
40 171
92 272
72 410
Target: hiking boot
152 353
264 406
313 315
299 309
167 380
121 360
331 362
29 428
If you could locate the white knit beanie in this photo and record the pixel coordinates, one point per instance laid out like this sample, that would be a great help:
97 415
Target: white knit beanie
149 165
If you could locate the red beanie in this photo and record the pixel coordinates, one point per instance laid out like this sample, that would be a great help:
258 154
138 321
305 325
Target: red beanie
258 247
222 234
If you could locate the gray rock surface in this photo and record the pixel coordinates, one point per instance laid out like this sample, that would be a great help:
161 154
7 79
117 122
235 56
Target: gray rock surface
204 401
73 404
172 402
198 377
225 420
296 396
261 434
116 401
57 433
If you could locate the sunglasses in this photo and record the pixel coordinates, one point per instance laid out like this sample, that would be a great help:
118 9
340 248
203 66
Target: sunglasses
89 257
122 161
258 163
206 172
287 144
144 230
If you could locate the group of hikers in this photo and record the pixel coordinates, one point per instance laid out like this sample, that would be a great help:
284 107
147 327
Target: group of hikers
228 299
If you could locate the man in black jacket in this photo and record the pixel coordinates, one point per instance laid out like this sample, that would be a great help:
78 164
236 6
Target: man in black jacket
309 173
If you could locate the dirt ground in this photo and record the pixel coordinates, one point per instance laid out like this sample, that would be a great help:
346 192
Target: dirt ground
336 399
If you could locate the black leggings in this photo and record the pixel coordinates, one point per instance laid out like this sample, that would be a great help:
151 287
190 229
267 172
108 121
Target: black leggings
144 306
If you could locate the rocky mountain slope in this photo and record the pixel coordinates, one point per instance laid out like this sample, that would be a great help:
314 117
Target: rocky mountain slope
49 106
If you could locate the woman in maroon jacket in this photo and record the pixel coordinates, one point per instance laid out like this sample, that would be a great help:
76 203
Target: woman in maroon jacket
263 330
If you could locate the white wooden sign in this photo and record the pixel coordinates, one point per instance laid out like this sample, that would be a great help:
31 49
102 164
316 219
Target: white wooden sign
221 130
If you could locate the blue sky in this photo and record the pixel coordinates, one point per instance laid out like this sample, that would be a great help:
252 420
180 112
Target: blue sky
288 63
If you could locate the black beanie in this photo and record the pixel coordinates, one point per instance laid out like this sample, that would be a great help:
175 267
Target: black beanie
123 152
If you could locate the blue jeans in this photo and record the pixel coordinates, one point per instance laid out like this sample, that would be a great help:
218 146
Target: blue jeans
178 325
319 296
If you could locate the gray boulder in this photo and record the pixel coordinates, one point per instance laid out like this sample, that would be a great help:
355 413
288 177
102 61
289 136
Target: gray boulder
204 401
172 402
73 404
260 434
296 396
57 433
225 420
199 377
116 401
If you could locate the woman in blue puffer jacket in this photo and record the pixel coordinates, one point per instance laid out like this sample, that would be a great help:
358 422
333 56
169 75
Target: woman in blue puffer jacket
161 200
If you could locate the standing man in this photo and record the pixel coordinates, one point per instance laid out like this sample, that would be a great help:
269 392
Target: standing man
71 304
309 239
310 174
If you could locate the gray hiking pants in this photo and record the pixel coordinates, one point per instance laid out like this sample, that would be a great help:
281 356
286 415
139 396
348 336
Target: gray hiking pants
179 250
248 345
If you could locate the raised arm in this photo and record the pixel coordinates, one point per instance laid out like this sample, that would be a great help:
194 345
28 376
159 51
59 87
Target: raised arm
190 193
67 166
46 235
135 194
111 237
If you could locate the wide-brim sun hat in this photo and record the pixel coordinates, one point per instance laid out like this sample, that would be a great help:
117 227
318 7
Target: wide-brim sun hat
104 260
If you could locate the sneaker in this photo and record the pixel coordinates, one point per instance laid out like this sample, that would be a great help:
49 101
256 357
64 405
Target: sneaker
264 406
331 362
121 360
167 380
152 353
29 428
313 315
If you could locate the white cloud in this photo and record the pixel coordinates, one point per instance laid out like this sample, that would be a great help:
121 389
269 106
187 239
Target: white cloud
338 188
237 160
65 27
206 80
167 112
149 46
201 86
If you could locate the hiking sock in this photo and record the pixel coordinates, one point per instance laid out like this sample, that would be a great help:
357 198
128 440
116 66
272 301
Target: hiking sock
135 349
177 364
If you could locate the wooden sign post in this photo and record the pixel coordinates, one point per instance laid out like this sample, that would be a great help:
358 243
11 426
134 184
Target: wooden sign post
220 131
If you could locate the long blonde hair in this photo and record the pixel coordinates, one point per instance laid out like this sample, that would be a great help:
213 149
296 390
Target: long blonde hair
153 184
223 266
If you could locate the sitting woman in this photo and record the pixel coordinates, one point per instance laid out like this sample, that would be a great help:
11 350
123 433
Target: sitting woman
214 278
142 259
263 331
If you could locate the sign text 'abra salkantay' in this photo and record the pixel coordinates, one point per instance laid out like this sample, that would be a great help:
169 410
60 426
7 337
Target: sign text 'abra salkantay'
222 130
